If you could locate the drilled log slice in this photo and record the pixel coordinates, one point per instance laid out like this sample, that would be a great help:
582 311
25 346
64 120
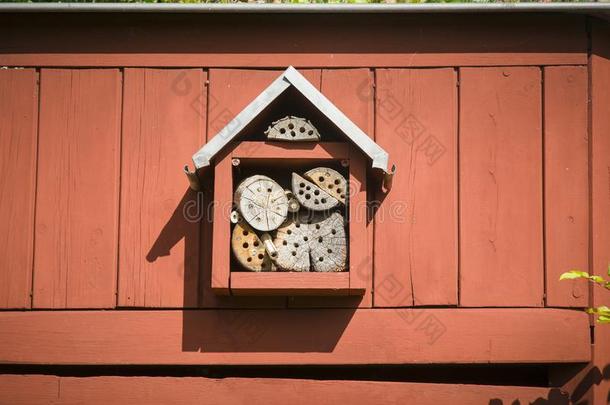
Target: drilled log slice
292 129
249 250
330 181
262 202
311 196
308 242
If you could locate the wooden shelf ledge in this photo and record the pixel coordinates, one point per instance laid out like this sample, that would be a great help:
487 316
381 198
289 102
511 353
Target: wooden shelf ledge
299 336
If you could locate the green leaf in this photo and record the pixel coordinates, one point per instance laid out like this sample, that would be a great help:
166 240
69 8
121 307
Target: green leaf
603 319
574 274
602 311
597 279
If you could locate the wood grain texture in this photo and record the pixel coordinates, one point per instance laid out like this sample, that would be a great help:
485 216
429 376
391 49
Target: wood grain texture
351 90
284 283
416 223
501 262
163 124
600 193
342 336
78 185
220 262
214 41
39 389
230 91
18 142
282 150
566 183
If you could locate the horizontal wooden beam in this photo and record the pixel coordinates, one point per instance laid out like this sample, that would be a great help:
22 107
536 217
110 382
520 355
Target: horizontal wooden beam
332 336
289 283
296 150
39 389
301 41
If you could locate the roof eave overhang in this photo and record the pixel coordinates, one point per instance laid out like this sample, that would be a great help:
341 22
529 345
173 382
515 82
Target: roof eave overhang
291 77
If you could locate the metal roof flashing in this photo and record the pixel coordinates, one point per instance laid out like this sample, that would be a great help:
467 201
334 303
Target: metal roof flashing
588 8
291 77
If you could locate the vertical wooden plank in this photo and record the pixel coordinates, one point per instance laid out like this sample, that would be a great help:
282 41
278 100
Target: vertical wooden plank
566 183
230 91
416 223
78 183
600 193
351 90
501 260
163 124
221 254
18 138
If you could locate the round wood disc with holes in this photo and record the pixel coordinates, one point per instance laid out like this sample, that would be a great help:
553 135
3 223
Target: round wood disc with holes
311 196
291 245
329 180
292 129
327 244
262 202
249 249
307 242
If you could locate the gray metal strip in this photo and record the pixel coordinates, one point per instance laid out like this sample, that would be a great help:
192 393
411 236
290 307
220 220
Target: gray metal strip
302 8
204 155
291 77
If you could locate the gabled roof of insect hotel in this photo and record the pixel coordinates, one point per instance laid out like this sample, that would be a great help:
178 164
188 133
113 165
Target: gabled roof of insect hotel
291 78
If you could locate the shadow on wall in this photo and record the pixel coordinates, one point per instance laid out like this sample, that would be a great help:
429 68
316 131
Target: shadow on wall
577 392
236 328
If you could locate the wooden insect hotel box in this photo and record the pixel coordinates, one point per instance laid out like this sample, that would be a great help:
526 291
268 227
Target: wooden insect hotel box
291 179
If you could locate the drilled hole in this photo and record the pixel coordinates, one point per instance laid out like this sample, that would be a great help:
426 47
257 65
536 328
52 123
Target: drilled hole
301 184
297 225
296 245
282 130
291 126
333 231
321 179
308 196
255 243
321 259
293 134
324 201
249 259
320 239
294 253
329 250
307 188
245 233
310 132
245 245
316 201
301 130
337 181
268 190
342 195
317 226
316 192
260 256
288 231
330 186
284 243
305 238
301 192
338 190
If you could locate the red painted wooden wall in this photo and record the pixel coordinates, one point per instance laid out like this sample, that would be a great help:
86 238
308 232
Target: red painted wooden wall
502 157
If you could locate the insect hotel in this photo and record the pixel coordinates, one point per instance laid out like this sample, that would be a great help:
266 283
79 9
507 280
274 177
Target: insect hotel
294 172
